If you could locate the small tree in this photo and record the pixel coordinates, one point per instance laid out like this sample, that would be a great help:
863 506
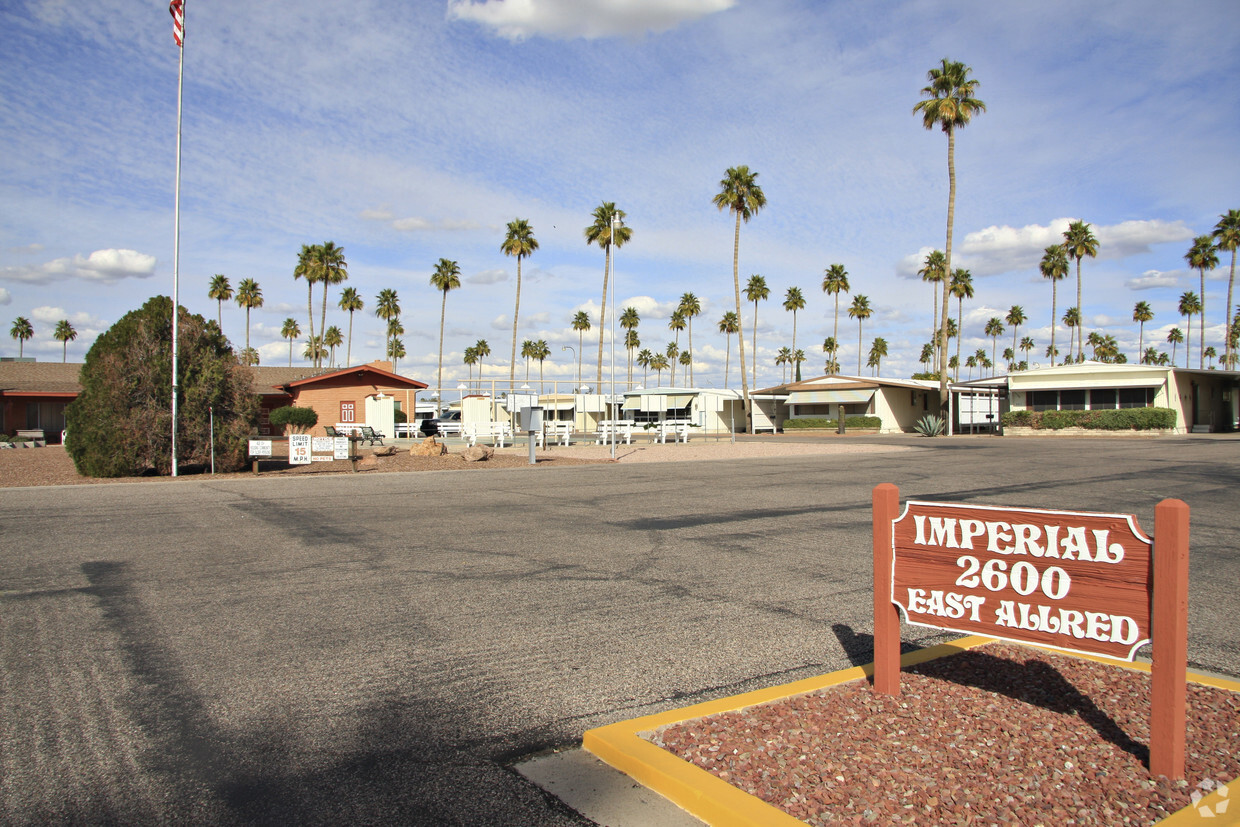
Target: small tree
121 423
291 416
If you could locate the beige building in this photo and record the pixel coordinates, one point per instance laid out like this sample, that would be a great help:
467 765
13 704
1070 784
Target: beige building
898 403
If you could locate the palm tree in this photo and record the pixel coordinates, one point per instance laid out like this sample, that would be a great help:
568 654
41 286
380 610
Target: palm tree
1026 346
484 350
672 351
755 291
794 301
631 343
676 324
1174 337
950 105
1094 340
689 307
686 359
1079 242
519 242
1190 305
962 288
994 329
541 352
395 351
783 358
1202 256
332 269
248 356
307 269
740 193
221 291
447 276
527 353
249 296
1227 237
350 301
1054 266
860 311
934 270
333 339
21 331
1211 353
834 282
394 329
645 359
927 355
658 364
1016 317
64 334
290 331
728 325
1149 356
970 363
470 358
1072 321
605 235
581 323
878 349
1009 356
387 307
798 356
1141 313
629 320
829 347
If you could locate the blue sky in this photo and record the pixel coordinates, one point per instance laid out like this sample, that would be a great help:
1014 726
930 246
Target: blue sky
407 132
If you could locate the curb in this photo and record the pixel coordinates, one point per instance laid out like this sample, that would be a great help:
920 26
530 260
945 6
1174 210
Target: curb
718 803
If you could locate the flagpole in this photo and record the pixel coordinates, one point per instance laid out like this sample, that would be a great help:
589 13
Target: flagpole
176 239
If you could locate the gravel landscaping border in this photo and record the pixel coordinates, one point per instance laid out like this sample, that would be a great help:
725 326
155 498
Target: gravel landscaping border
998 734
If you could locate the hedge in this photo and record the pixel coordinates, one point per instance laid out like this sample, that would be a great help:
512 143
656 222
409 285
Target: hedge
1124 419
849 422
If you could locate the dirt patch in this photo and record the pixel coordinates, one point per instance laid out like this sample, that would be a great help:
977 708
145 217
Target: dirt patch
1001 734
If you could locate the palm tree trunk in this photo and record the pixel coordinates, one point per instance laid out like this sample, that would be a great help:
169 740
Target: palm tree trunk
858 345
1201 335
1080 315
1226 317
310 310
944 393
348 354
736 284
753 356
323 318
602 317
1141 342
290 351
443 309
581 349
835 333
512 363
247 327
691 350
959 333
1054 296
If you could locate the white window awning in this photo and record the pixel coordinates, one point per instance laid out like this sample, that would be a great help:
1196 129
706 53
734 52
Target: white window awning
849 397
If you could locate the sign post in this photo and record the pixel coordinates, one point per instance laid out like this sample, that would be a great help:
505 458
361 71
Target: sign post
1072 580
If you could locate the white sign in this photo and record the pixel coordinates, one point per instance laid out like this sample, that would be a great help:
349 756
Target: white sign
322 444
260 447
340 448
321 458
299 449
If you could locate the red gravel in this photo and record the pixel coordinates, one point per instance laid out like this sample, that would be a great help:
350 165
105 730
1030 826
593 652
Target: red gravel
997 735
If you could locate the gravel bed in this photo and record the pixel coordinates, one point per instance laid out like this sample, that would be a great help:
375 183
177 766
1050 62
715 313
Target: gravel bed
1001 734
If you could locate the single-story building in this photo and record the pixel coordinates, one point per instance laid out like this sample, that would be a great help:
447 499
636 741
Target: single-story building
33 395
898 403
1204 400
714 410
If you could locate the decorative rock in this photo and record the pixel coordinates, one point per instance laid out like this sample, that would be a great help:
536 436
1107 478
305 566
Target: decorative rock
368 463
428 448
385 451
478 453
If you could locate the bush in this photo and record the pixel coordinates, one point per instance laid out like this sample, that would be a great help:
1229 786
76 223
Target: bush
291 416
857 421
1124 419
930 425
121 423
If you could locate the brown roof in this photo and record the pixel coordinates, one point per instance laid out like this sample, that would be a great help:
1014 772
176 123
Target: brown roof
359 370
22 378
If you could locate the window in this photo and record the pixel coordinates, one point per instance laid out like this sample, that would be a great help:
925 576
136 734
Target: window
1102 399
1043 400
347 410
1072 400
1136 397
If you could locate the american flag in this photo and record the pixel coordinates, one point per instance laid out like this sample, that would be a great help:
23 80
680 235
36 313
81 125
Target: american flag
177 9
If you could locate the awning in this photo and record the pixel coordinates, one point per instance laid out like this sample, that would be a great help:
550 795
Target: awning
633 403
848 397
559 405
1098 381
678 400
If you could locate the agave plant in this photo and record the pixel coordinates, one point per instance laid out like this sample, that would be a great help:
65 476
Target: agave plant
929 425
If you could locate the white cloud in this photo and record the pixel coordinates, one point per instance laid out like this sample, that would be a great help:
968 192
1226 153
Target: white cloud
1151 279
5 296
80 320
28 248
590 19
1002 249
488 277
415 224
102 266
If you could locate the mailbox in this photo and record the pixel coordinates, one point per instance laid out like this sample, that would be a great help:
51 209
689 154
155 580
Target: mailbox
531 419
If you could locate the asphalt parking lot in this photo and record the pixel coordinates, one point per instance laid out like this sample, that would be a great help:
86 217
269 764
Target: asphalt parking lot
379 648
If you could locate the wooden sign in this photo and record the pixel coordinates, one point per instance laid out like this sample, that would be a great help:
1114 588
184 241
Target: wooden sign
1078 581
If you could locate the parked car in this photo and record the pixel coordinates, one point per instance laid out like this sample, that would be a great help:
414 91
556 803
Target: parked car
430 427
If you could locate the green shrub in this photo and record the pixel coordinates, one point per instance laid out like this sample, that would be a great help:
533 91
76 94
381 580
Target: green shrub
121 423
857 421
299 419
1123 419
929 425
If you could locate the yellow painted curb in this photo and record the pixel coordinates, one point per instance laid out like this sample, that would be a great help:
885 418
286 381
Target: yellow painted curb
720 804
